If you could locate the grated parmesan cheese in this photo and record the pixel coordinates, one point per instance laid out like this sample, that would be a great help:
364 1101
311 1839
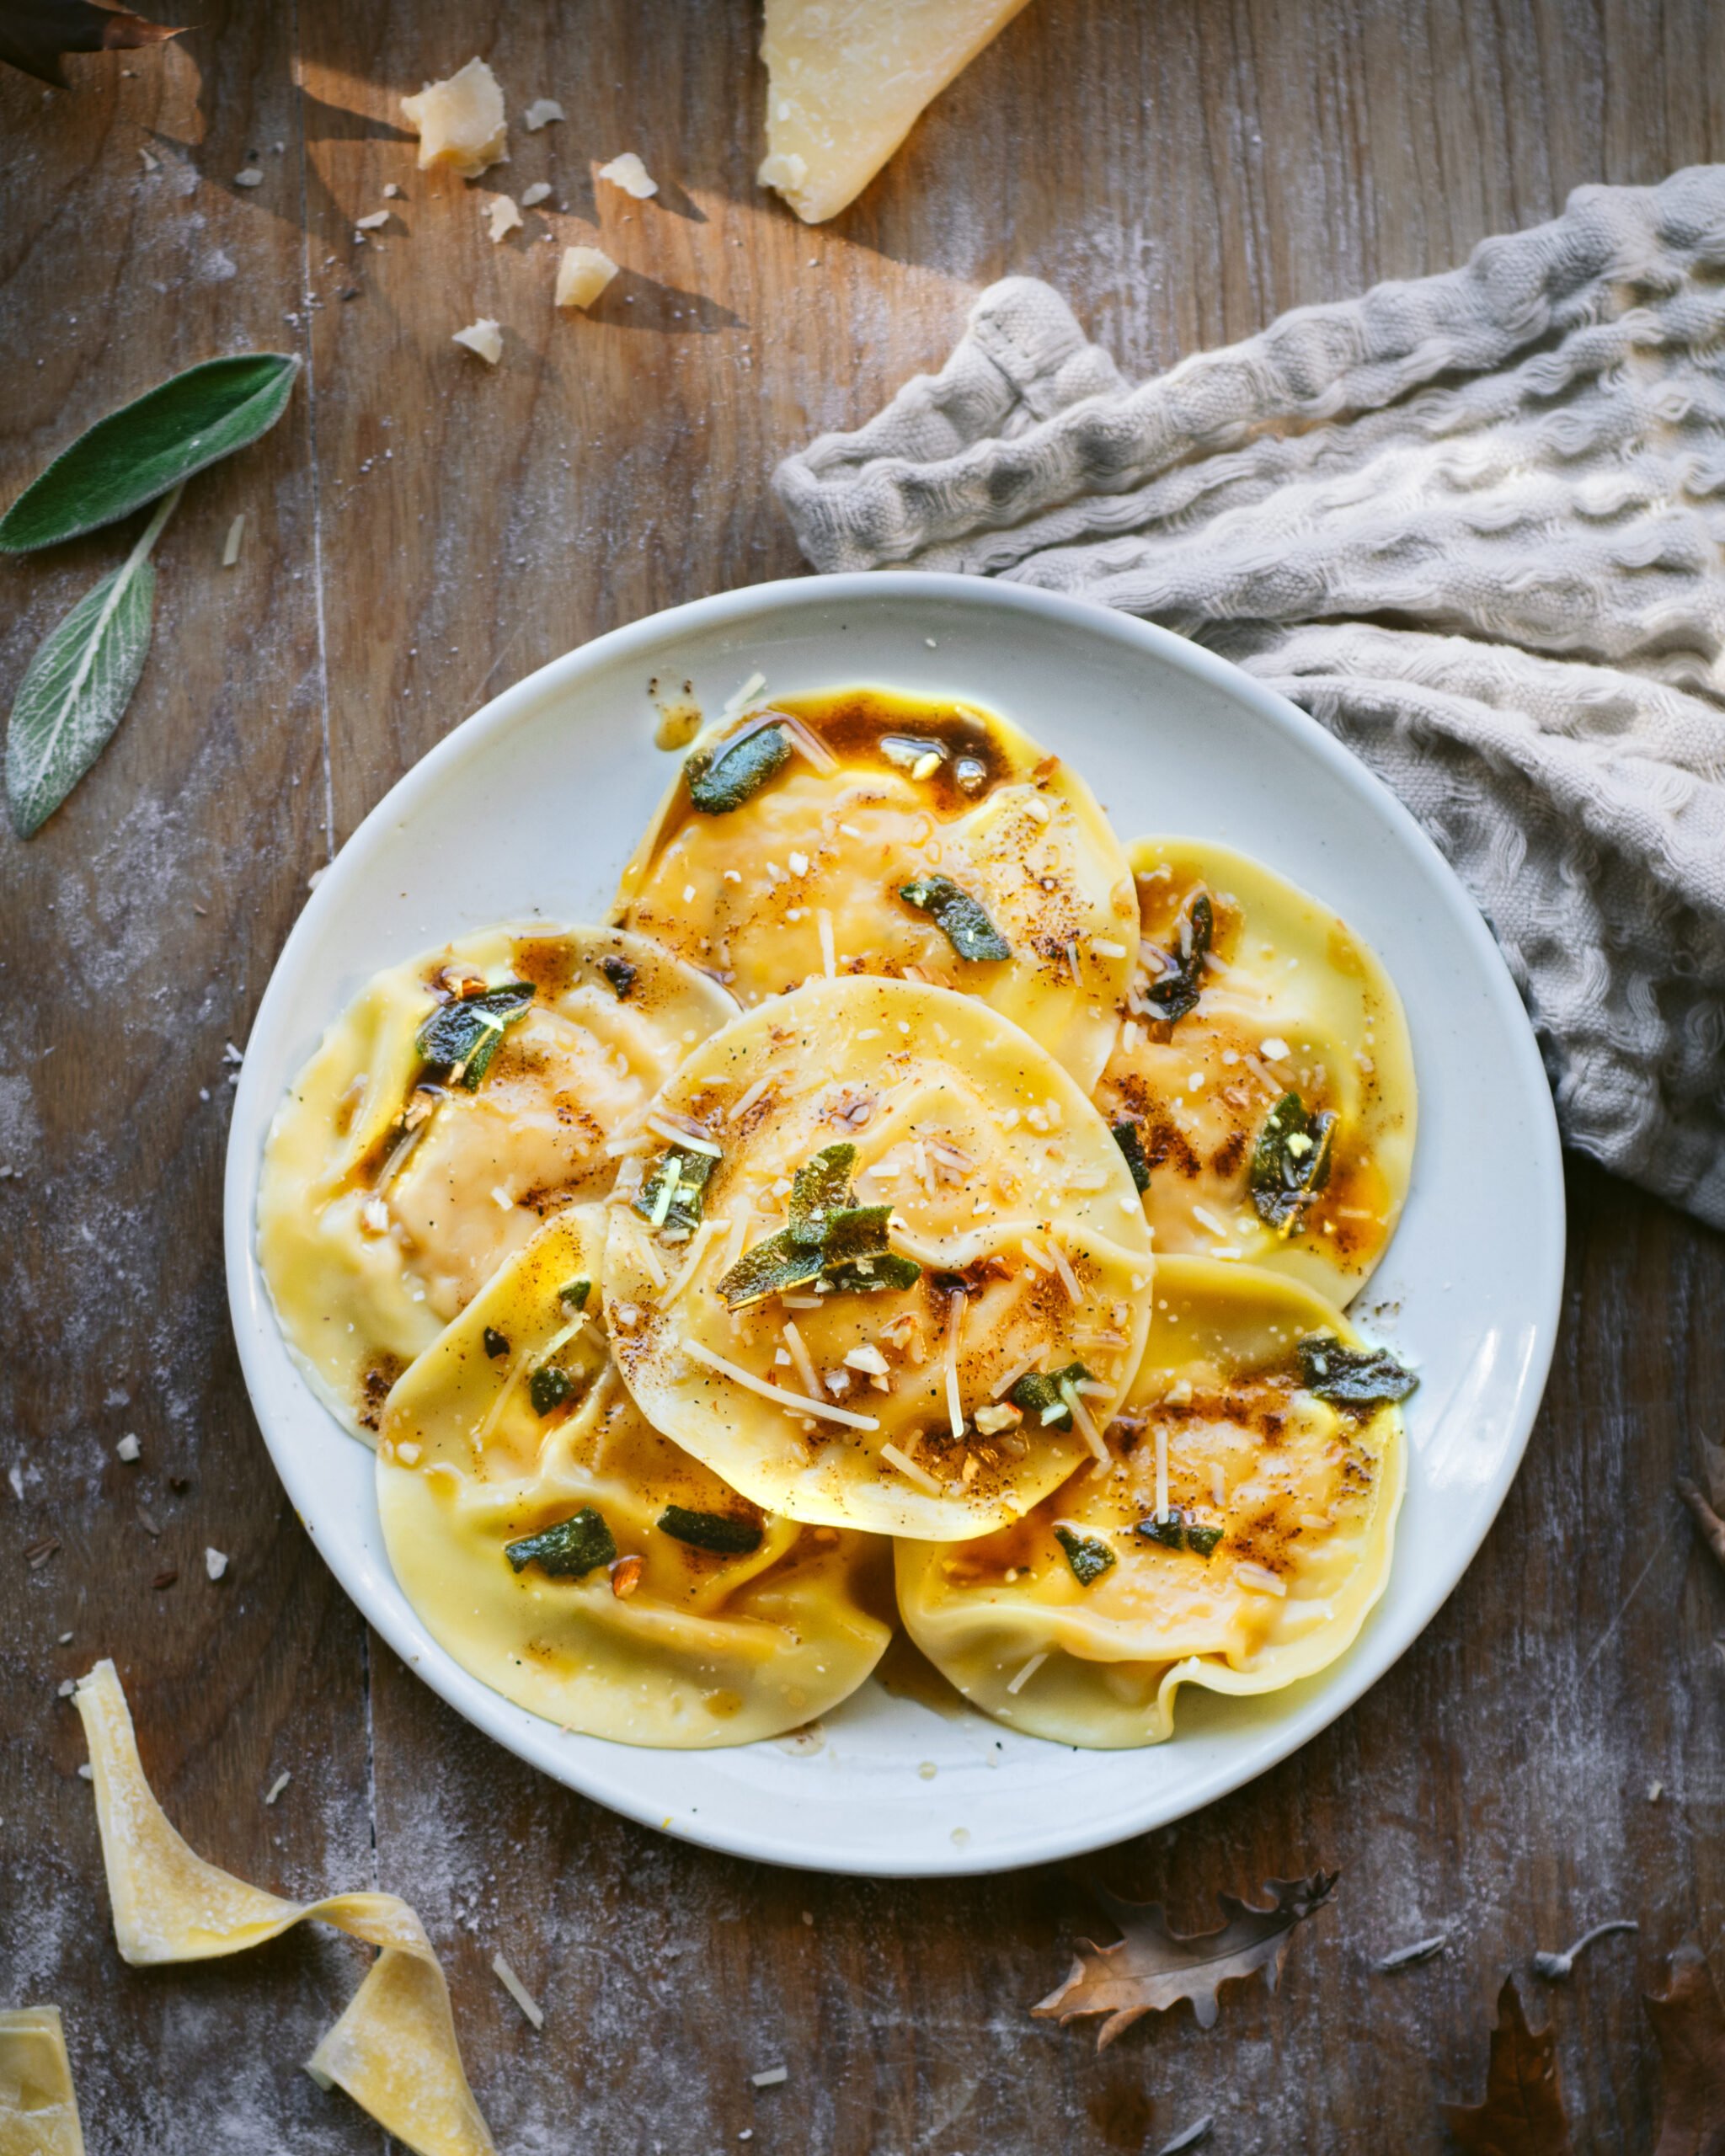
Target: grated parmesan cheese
1015 1684
583 275
541 113
908 1468
517 1991
502 216
628 172
777 1394
483 338
460 122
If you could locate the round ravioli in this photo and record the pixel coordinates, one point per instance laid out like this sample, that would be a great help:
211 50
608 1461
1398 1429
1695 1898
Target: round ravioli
860 832
880 1264
1262 1082
1238 1536
580 1563
459 1101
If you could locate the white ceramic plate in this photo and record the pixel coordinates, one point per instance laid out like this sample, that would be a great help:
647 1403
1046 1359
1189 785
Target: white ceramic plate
533 805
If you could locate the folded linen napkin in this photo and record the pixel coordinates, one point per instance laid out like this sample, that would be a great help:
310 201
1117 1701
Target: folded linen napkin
1473 524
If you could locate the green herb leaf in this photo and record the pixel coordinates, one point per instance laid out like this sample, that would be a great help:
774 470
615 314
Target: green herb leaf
1038 1394
725 1534
719 783
496 1345
688 1175
461 1037
820 1187
149 446
571 1548
1127 1138
1351 1377
771 1268
76 687
959 918
1177 989
575 1293
868 1276
1088 1558
859 1232
1179 1531
620 973
1290 1162
548 1388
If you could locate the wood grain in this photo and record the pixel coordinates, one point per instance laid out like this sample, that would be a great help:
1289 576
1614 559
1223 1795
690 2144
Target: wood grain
423 530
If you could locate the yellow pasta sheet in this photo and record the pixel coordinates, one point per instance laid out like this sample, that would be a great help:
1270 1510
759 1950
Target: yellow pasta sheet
38 2108
393 2051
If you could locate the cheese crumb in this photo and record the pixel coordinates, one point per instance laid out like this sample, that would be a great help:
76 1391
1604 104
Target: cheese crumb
504 217
277 1786
128 1448
251 177
483 337
582 276
541 113
375 222
517 1991
391 191
532 196
214 1563
235 532
770 2077
628 172
460 122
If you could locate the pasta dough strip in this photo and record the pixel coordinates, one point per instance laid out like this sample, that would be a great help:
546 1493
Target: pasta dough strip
393 2051
38 2104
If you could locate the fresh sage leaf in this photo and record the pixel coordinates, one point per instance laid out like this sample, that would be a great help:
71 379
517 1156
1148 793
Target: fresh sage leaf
726 1534
1127 1137
719 783
674 1191
76 687
149 446
461 1037
1176 990
1179 1531
1088 1558
569 1550
1351 1377
1039 1395
1290 1162
961 918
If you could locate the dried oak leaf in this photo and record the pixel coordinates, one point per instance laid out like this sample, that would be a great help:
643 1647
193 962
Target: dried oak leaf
1151 1968
1688 2023
1523 2114
33 34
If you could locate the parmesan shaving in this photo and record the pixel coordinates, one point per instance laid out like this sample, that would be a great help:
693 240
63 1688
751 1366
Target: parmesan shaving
460 122
1257 1580
393 2051
789 1401
908 1468
541 113
1015 1684
583 275
517 1991
628 172
230 545
800 1357
1082 1419
697 1244
539 192
829 956
745 1101
1069 1278
956 1303
1004 1384
679 1133
1161 1473
483 337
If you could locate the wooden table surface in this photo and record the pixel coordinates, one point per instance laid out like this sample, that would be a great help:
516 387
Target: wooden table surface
422 531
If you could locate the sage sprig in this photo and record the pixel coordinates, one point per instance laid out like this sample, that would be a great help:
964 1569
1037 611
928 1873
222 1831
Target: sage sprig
76 689
137 453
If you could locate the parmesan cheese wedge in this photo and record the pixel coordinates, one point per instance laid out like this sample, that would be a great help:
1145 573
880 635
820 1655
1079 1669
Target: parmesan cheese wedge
38 2107
393 2051
460 122
582 276
483 338
628 172
846 80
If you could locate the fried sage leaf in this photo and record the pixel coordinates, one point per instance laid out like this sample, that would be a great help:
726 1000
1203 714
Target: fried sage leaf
961 918
569 1550
827 1238
674 1191
1088 1558
1176 989
1039 1395
771 1268
460 1037
150 445
76 687
821 1187
1290 1162
858 1232
736 774
1151 1968
620 973
868 1275
1179 1531
1127 1137
575 1293
548 1388
1351 1377
725 1534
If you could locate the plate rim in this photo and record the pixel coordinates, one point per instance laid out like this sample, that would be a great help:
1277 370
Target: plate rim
531 1738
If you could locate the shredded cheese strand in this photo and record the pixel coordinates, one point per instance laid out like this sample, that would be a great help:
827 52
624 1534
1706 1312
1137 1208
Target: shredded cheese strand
790 1401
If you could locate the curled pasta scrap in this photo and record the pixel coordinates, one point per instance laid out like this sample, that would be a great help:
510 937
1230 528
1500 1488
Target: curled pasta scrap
1261 1079
1237 1539
38 2103
393 2051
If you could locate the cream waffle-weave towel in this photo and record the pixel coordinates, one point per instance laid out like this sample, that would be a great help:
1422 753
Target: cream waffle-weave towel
1473 524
